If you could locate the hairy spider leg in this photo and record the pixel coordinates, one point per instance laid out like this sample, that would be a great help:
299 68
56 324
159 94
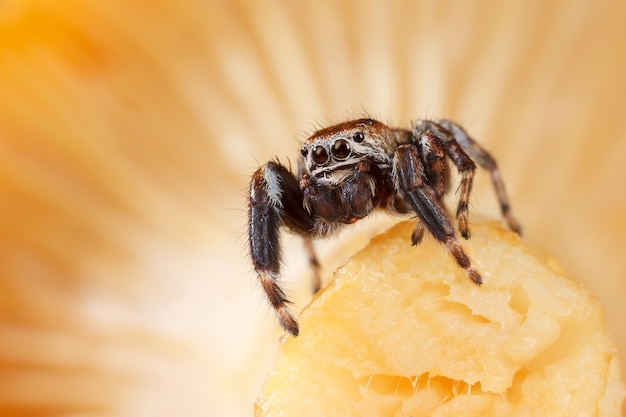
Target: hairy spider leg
433 155
464 164
408 171
275 199
486 161
467 168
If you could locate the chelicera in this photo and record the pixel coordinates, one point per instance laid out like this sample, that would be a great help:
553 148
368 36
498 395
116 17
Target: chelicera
348 170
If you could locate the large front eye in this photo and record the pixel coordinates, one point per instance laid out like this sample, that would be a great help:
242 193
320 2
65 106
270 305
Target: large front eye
320 155
340 149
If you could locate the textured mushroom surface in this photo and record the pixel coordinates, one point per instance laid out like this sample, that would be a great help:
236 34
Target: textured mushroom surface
401 331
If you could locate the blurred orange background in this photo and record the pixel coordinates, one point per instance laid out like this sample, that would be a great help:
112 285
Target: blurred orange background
128 131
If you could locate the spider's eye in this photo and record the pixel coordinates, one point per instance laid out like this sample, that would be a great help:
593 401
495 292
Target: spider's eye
358 137
340 149
320 155
304 151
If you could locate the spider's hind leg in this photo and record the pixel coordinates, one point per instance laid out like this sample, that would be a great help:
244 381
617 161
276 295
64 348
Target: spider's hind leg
486 161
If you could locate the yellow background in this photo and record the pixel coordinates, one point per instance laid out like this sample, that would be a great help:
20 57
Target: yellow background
128 131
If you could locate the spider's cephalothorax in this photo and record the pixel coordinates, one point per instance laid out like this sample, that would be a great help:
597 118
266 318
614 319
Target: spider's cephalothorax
348 170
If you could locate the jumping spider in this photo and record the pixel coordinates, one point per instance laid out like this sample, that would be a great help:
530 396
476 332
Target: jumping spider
348 170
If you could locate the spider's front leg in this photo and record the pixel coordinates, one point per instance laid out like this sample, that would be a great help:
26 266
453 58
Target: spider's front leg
275 199
433 156
408 169
435 134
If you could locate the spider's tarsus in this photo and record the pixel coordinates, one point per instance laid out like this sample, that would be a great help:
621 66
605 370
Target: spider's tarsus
513 224
474 275
276 296
464 228
456 249
287 321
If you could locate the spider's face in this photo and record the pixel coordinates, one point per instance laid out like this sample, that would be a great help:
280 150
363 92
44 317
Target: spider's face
331 152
